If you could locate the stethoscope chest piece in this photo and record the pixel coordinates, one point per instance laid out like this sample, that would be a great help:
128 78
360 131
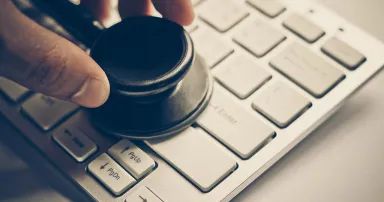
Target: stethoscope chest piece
159 86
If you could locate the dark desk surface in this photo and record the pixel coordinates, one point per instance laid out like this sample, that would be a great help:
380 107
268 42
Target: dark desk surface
342 161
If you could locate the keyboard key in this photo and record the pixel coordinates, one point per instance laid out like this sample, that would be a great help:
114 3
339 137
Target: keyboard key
304 28
75 143
12 90
46 111
242 76
194 154
271 8
343 53
222 14
132 158
307 69
108 172
259 38
281 104
233 125
143 194
210 46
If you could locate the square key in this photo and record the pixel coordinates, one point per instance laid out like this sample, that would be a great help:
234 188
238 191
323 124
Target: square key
271 8
210 46
258 37
46 111
304 28
242 76
222 14
12 90
281 104
343 53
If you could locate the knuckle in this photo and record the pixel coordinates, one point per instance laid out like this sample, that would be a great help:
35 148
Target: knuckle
11 65
50 68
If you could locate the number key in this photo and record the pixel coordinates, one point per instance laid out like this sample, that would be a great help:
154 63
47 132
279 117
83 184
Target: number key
304 28
222 14
281 104
210 46
271 8
343 53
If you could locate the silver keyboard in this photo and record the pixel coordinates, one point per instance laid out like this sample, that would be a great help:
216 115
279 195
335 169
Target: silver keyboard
281 69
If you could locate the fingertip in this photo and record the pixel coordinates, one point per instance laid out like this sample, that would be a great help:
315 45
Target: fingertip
188 19
134 8
189 15
100 8
179 11
183 20
93 93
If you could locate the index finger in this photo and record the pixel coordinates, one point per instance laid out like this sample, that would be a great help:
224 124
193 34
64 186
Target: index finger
180 11
99 8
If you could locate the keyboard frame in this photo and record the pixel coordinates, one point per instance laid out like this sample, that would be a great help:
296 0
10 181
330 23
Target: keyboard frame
164 178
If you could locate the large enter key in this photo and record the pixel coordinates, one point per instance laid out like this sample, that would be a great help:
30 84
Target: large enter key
233 125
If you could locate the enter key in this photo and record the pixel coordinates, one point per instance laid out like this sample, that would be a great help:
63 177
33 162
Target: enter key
235 127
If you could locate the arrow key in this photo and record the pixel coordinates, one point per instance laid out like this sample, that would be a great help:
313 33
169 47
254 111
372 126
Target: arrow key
132 158
143 194
111 174
75 143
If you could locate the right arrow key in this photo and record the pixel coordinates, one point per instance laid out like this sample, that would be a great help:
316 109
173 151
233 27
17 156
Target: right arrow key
143 194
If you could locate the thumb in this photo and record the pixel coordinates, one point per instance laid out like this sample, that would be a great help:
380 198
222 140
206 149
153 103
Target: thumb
44 62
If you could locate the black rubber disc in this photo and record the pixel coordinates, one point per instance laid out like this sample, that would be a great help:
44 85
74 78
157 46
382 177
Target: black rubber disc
158 85
162 117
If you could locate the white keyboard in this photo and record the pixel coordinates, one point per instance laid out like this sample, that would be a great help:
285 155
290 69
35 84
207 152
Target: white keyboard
281 69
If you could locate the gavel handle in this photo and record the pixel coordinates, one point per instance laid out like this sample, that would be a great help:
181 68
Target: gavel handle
75 19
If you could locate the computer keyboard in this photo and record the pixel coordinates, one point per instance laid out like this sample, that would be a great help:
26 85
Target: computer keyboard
281 69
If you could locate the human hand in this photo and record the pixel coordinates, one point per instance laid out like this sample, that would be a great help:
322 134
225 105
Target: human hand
45 62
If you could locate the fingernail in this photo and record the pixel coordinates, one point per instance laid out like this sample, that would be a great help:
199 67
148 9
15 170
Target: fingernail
92 94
